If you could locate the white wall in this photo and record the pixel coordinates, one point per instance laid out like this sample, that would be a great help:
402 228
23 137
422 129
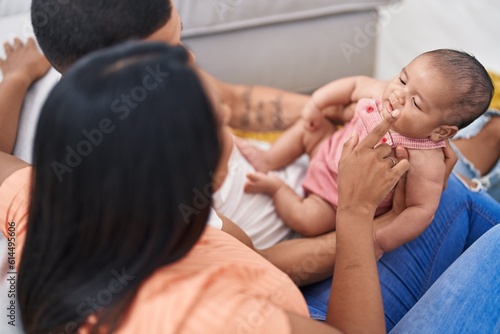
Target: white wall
416 26
10 7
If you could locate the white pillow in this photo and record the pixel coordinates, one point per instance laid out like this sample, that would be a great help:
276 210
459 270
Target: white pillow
14 26
11 7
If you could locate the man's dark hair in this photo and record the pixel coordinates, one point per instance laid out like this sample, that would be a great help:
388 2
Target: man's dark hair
66 30
469 79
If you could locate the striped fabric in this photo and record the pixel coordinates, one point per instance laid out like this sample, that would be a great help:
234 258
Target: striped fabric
369 112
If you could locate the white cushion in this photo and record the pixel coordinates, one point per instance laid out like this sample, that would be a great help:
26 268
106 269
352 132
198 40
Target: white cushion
12 7
20 26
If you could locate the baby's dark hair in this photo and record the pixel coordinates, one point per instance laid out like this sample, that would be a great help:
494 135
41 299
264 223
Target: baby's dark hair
469 79
68 30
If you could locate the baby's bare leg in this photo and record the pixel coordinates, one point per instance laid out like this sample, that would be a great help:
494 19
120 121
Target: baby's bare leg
310 216
482 150
287 148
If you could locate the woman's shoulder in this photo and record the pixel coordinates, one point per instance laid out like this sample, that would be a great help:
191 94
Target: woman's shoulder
217 283
14 206
9 165
14 192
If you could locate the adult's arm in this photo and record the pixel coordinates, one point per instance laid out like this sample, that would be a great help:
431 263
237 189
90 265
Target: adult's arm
295 256
424 187
235 231
23 65
365 178
258 108
9 165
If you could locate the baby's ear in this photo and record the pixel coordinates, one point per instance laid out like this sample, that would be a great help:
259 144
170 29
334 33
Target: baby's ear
444 132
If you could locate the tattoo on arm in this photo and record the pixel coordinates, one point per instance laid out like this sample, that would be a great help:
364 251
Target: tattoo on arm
260 113
245 118
277 122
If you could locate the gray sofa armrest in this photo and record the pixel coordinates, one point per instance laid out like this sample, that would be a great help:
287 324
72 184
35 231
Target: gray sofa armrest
290 44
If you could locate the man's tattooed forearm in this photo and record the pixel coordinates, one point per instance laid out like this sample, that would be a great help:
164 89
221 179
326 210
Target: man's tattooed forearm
245 117
277 122
260 113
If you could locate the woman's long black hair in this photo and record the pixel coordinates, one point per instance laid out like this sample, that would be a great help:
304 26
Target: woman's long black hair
122 143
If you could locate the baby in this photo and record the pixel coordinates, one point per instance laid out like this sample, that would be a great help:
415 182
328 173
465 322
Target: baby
438 93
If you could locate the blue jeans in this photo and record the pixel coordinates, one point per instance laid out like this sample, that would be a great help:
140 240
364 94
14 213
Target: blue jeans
466 298
407 272
491 181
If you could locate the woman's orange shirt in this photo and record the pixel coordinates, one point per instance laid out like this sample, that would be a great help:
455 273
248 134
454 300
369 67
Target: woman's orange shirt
221 286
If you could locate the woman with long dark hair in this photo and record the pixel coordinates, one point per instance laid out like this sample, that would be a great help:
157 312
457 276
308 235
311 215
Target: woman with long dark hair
109 179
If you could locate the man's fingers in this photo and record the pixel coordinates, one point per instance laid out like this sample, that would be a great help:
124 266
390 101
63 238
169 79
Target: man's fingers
374 137
17 43
31 42
8 48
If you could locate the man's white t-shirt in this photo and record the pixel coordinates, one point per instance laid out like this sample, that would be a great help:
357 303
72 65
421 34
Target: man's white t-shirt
214 220
255 213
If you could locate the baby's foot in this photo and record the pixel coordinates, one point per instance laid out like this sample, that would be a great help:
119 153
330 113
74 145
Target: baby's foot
254 155
262 183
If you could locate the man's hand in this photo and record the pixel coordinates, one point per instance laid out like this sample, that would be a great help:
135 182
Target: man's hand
23 61
23 64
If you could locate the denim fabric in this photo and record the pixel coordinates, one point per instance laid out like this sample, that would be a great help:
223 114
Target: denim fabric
491 181
407 272
466 298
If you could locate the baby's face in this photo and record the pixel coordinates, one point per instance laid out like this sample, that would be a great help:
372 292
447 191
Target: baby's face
423 95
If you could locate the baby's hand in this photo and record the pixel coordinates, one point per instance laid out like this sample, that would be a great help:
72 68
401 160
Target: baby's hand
312 116
263 183
253 154
23 61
